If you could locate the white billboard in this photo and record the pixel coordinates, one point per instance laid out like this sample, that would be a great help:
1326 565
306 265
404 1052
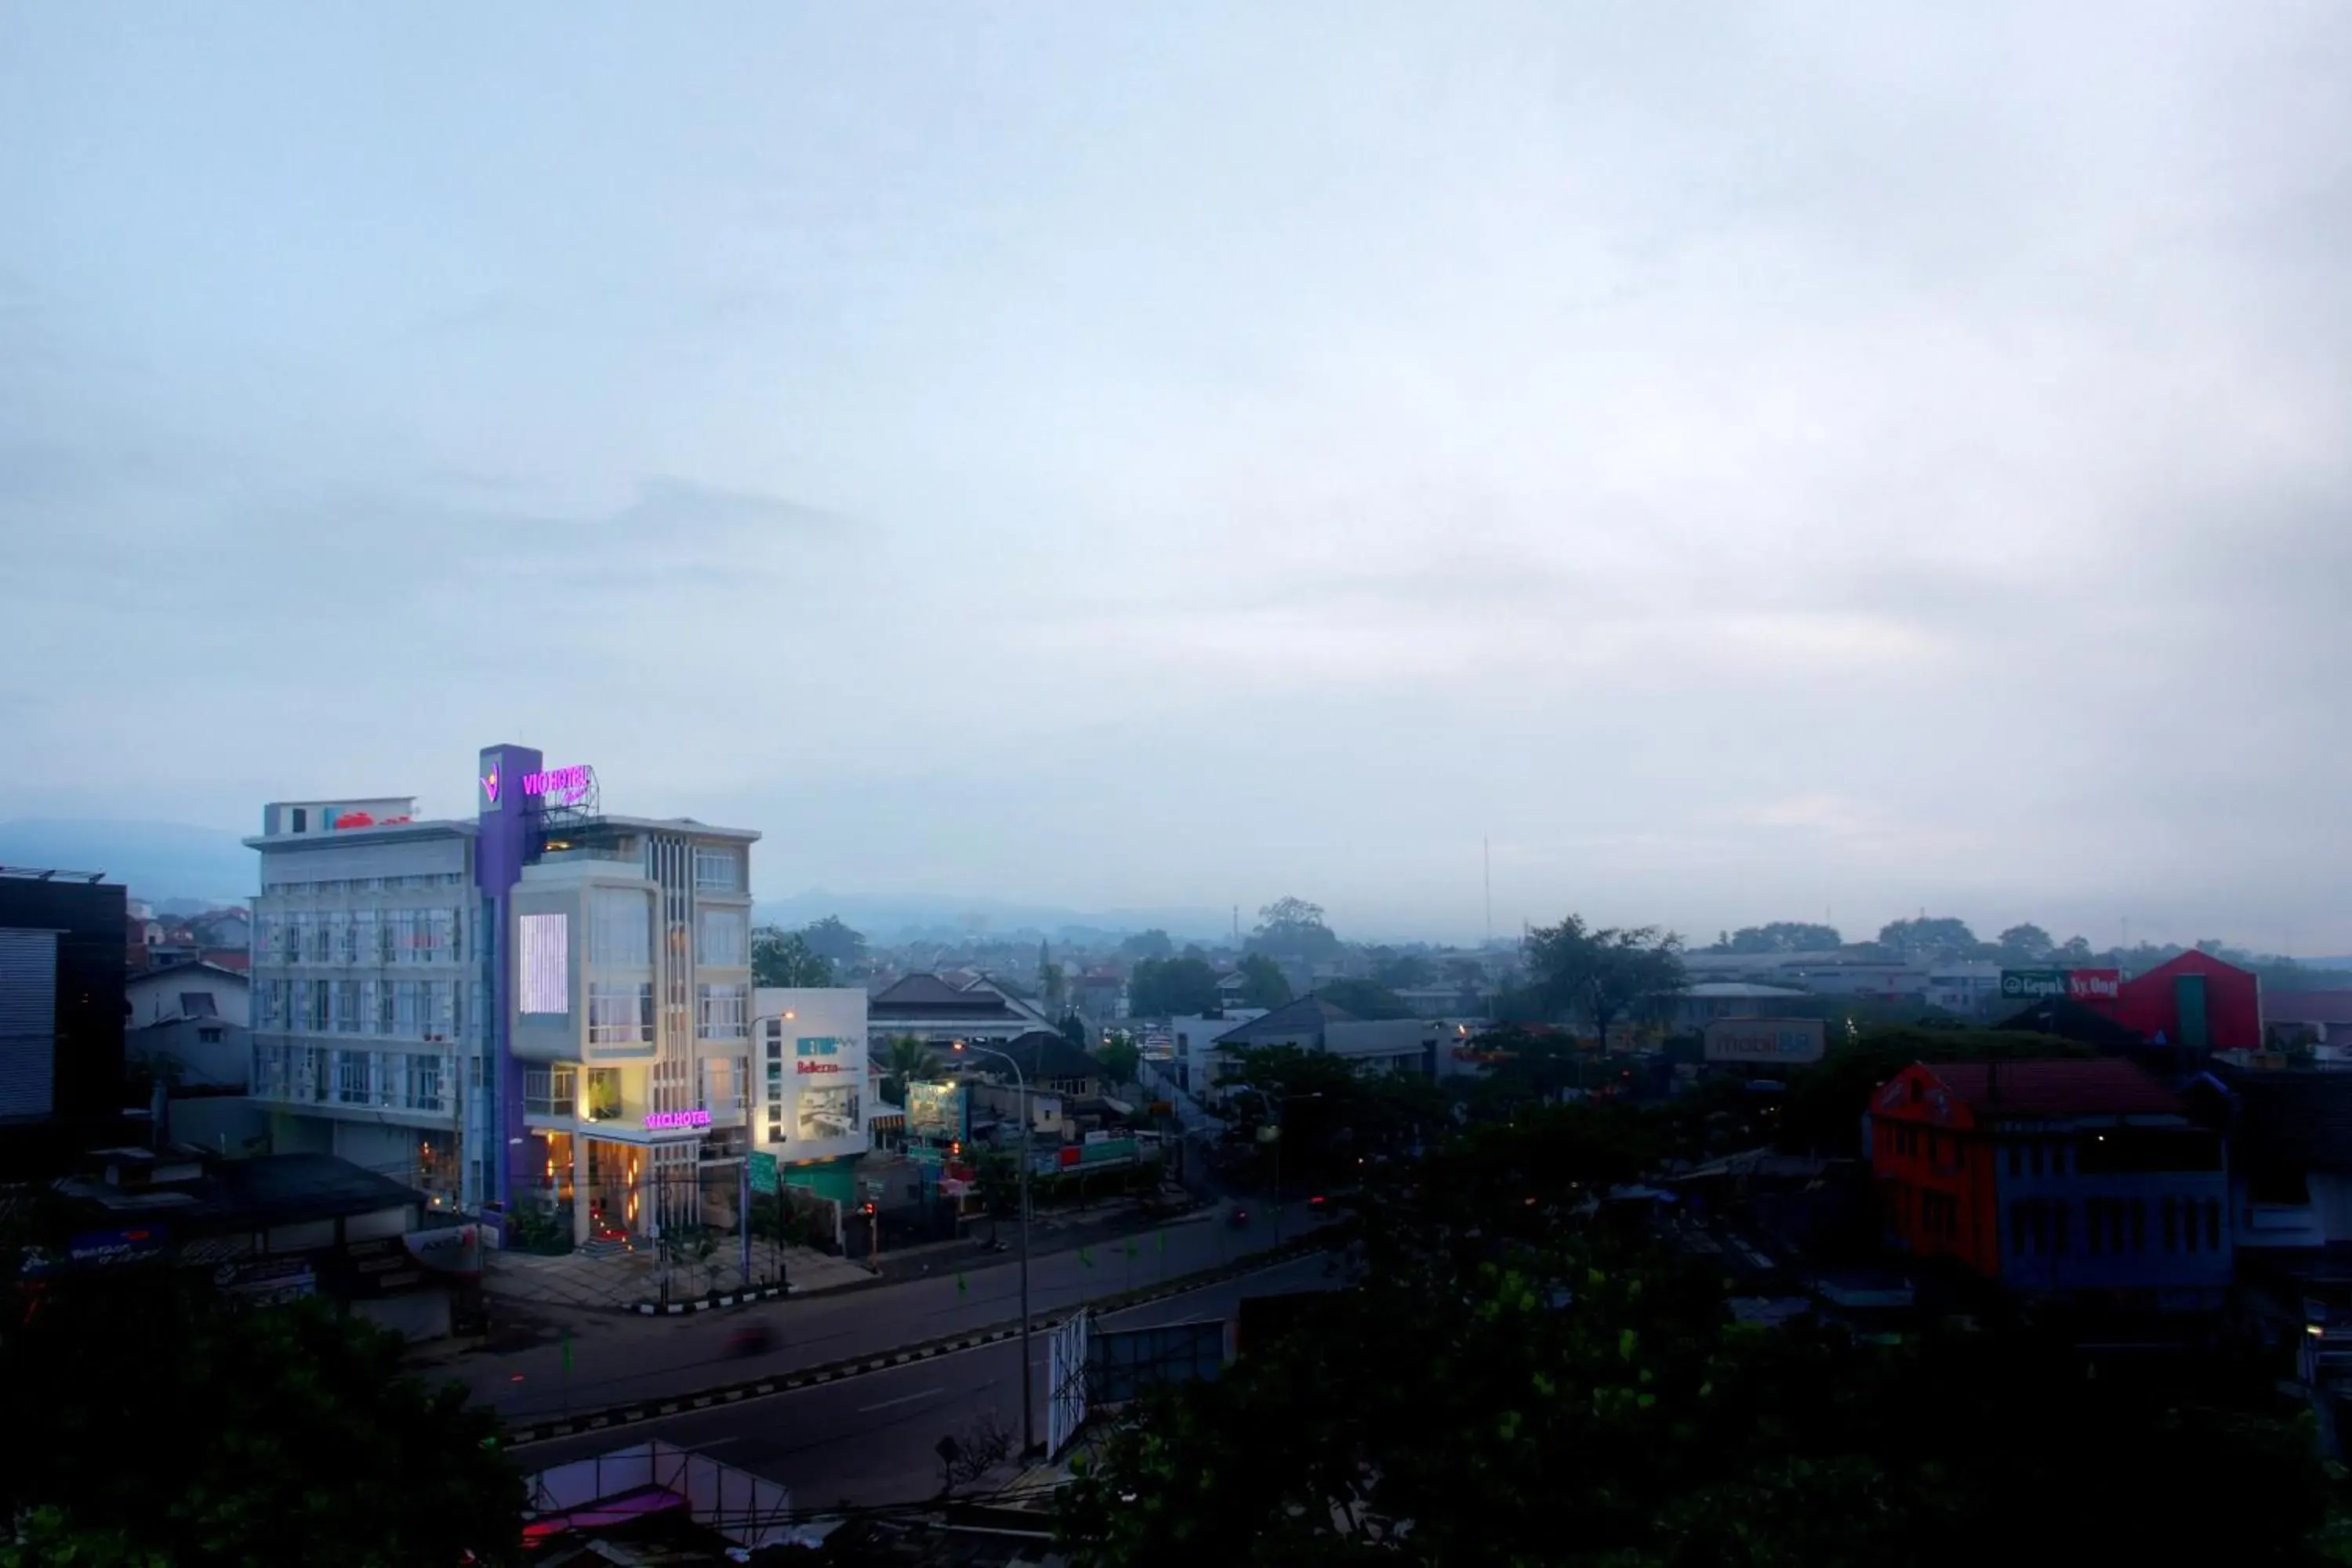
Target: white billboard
546 967
1779 1041
1065 1383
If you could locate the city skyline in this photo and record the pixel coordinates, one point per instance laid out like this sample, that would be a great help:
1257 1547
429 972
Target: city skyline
1741 468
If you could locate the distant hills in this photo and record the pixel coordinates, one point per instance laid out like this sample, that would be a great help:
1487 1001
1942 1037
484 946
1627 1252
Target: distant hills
158 861
178 867
917 915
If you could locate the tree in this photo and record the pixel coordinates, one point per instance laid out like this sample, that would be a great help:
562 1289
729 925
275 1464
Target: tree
1508 1377
1050 981
2023 945
785 958
834 942
1074 1029
1600 976
1171 987
1402 969
2074 952
1364 998
1927 938
1779 936
1152 944
906 1060
1120 1057
1293 928
316 1446
1264 983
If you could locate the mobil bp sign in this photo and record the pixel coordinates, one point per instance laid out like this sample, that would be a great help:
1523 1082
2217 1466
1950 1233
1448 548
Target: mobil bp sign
1777 1040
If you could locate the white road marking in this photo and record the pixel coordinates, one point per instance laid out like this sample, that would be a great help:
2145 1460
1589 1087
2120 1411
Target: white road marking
902 1399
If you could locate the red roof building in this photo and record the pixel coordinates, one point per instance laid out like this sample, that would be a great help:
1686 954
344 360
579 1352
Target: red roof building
2195 1002
2076 1177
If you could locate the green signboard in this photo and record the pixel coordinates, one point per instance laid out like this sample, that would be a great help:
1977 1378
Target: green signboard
764 1171
2033 984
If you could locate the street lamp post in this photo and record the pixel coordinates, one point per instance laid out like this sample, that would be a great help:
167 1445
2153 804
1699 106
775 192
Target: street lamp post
1278 1101
1028 1398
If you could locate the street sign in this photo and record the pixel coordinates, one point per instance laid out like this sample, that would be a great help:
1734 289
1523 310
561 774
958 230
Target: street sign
764 1171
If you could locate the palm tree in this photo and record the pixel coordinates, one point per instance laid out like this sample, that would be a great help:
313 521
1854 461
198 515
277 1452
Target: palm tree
907 1058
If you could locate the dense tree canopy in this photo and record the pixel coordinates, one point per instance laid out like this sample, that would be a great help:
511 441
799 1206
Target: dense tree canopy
785 958
1265 984
176 1427
1928 936
1364 998
834 942
1152 944
1779 936
1599 977
1171 987
1293 928
1510 1374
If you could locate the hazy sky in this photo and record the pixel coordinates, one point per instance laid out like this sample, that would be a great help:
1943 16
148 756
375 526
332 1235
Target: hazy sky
1748 460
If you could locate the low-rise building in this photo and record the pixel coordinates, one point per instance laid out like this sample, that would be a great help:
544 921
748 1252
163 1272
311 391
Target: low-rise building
273 1228
63 953
2195 1002
937 1010
2073 1178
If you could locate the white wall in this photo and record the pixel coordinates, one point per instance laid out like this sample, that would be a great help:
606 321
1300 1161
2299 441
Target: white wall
153 998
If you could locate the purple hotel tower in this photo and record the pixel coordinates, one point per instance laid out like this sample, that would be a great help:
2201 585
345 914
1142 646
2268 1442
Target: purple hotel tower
502 844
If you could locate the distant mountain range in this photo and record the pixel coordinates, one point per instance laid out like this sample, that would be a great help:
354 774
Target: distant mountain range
916 916
179 868
161 862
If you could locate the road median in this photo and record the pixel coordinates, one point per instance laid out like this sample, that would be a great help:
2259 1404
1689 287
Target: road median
633 1412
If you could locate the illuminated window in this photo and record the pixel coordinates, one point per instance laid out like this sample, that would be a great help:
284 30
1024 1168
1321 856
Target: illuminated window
546 953
725 1009
620 1014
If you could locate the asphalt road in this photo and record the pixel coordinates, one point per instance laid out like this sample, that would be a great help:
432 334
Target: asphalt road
871 1439
638 1358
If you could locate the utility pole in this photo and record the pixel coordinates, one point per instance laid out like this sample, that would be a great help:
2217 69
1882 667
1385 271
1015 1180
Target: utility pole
1021 1092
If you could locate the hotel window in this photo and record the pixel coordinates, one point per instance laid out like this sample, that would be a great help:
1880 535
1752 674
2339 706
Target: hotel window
351 1077
723 941
2213 1225
2140 1225
346 1002
423 1083
2170 1209
406 1000
603 1094
718 870
620 928
620 1014
725 1011
366 938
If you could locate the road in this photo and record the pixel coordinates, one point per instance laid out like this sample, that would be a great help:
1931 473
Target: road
871 1439
640 1358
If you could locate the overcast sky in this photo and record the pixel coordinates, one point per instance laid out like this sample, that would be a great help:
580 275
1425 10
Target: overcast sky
1751 462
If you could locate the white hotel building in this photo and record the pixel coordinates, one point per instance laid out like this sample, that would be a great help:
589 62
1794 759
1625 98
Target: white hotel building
545 1009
